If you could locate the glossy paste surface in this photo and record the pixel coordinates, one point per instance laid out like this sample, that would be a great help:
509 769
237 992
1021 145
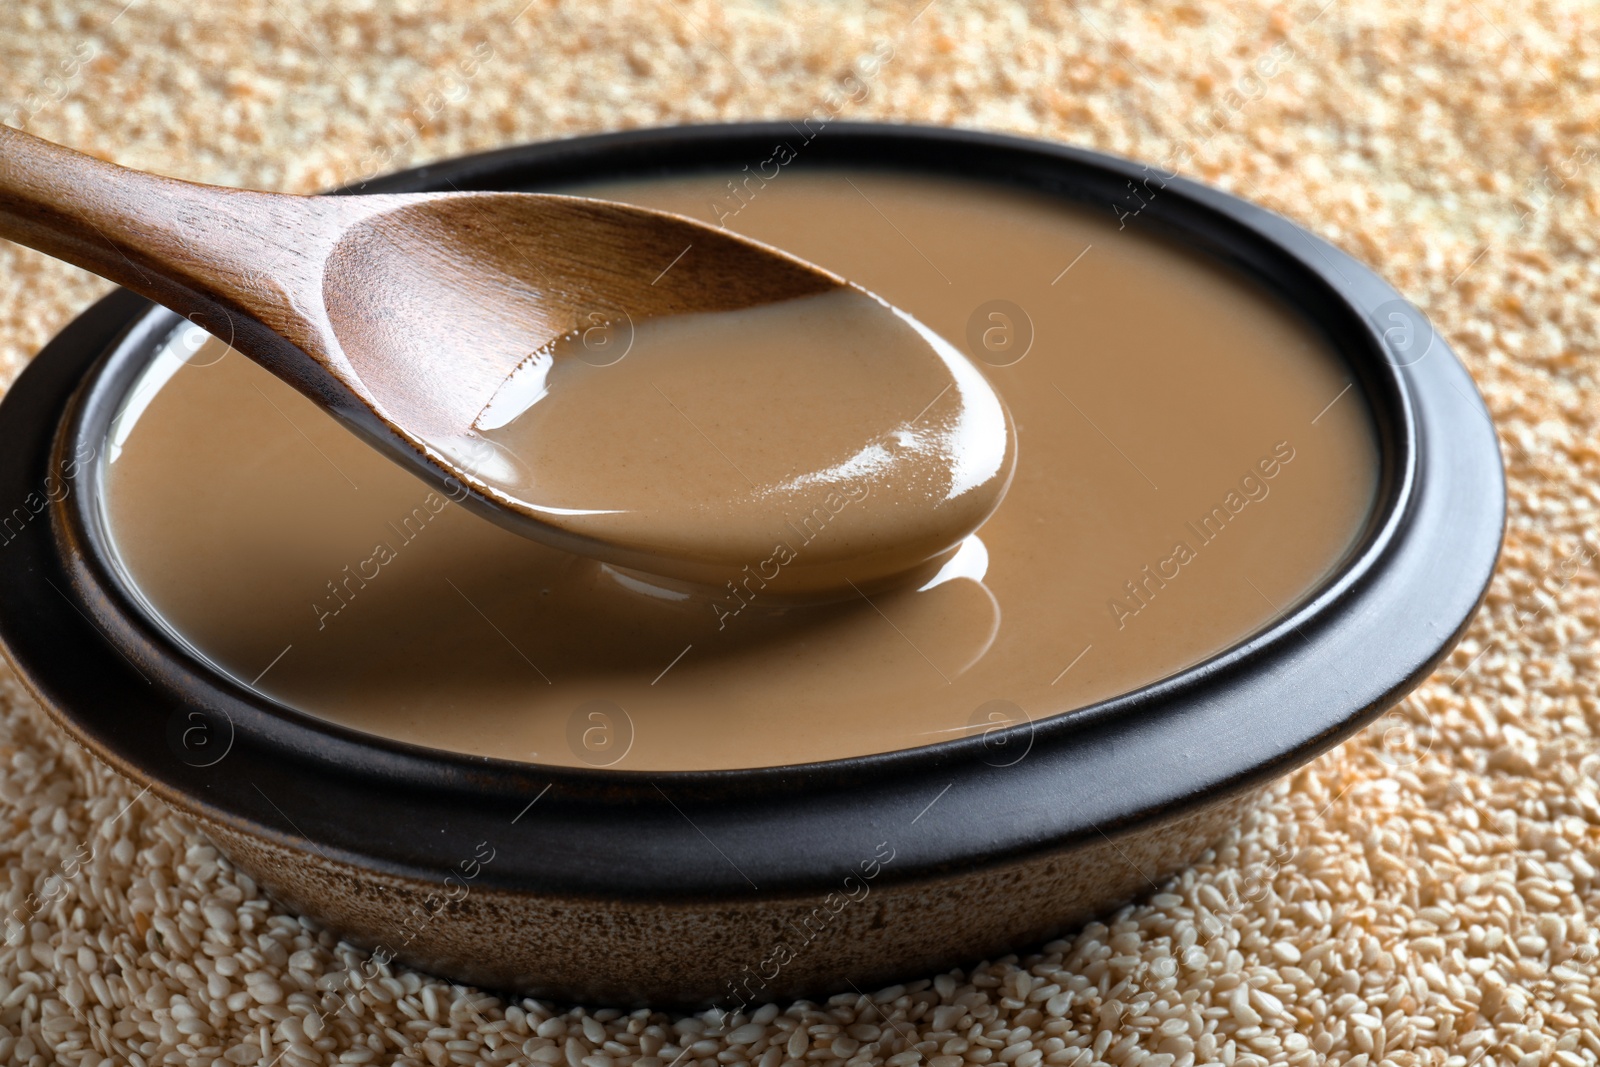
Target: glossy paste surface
1191 459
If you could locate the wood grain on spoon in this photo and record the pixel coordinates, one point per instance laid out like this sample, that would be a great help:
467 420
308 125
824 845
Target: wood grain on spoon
400 314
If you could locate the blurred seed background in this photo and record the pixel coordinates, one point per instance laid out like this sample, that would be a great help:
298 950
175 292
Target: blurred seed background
1424 894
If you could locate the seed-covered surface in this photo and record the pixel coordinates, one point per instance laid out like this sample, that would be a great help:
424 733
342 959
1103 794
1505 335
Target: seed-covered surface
1424 894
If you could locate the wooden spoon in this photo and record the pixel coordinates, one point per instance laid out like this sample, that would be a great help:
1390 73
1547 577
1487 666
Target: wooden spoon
402 315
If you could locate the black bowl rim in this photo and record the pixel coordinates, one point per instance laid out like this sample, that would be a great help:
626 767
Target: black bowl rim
382 778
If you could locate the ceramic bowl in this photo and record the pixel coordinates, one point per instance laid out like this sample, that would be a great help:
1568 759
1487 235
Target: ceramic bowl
731 887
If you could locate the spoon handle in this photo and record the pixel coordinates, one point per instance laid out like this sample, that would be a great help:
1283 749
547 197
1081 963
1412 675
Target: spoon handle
222 257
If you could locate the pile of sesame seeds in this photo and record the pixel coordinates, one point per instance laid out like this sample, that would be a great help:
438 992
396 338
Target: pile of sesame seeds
1423 894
